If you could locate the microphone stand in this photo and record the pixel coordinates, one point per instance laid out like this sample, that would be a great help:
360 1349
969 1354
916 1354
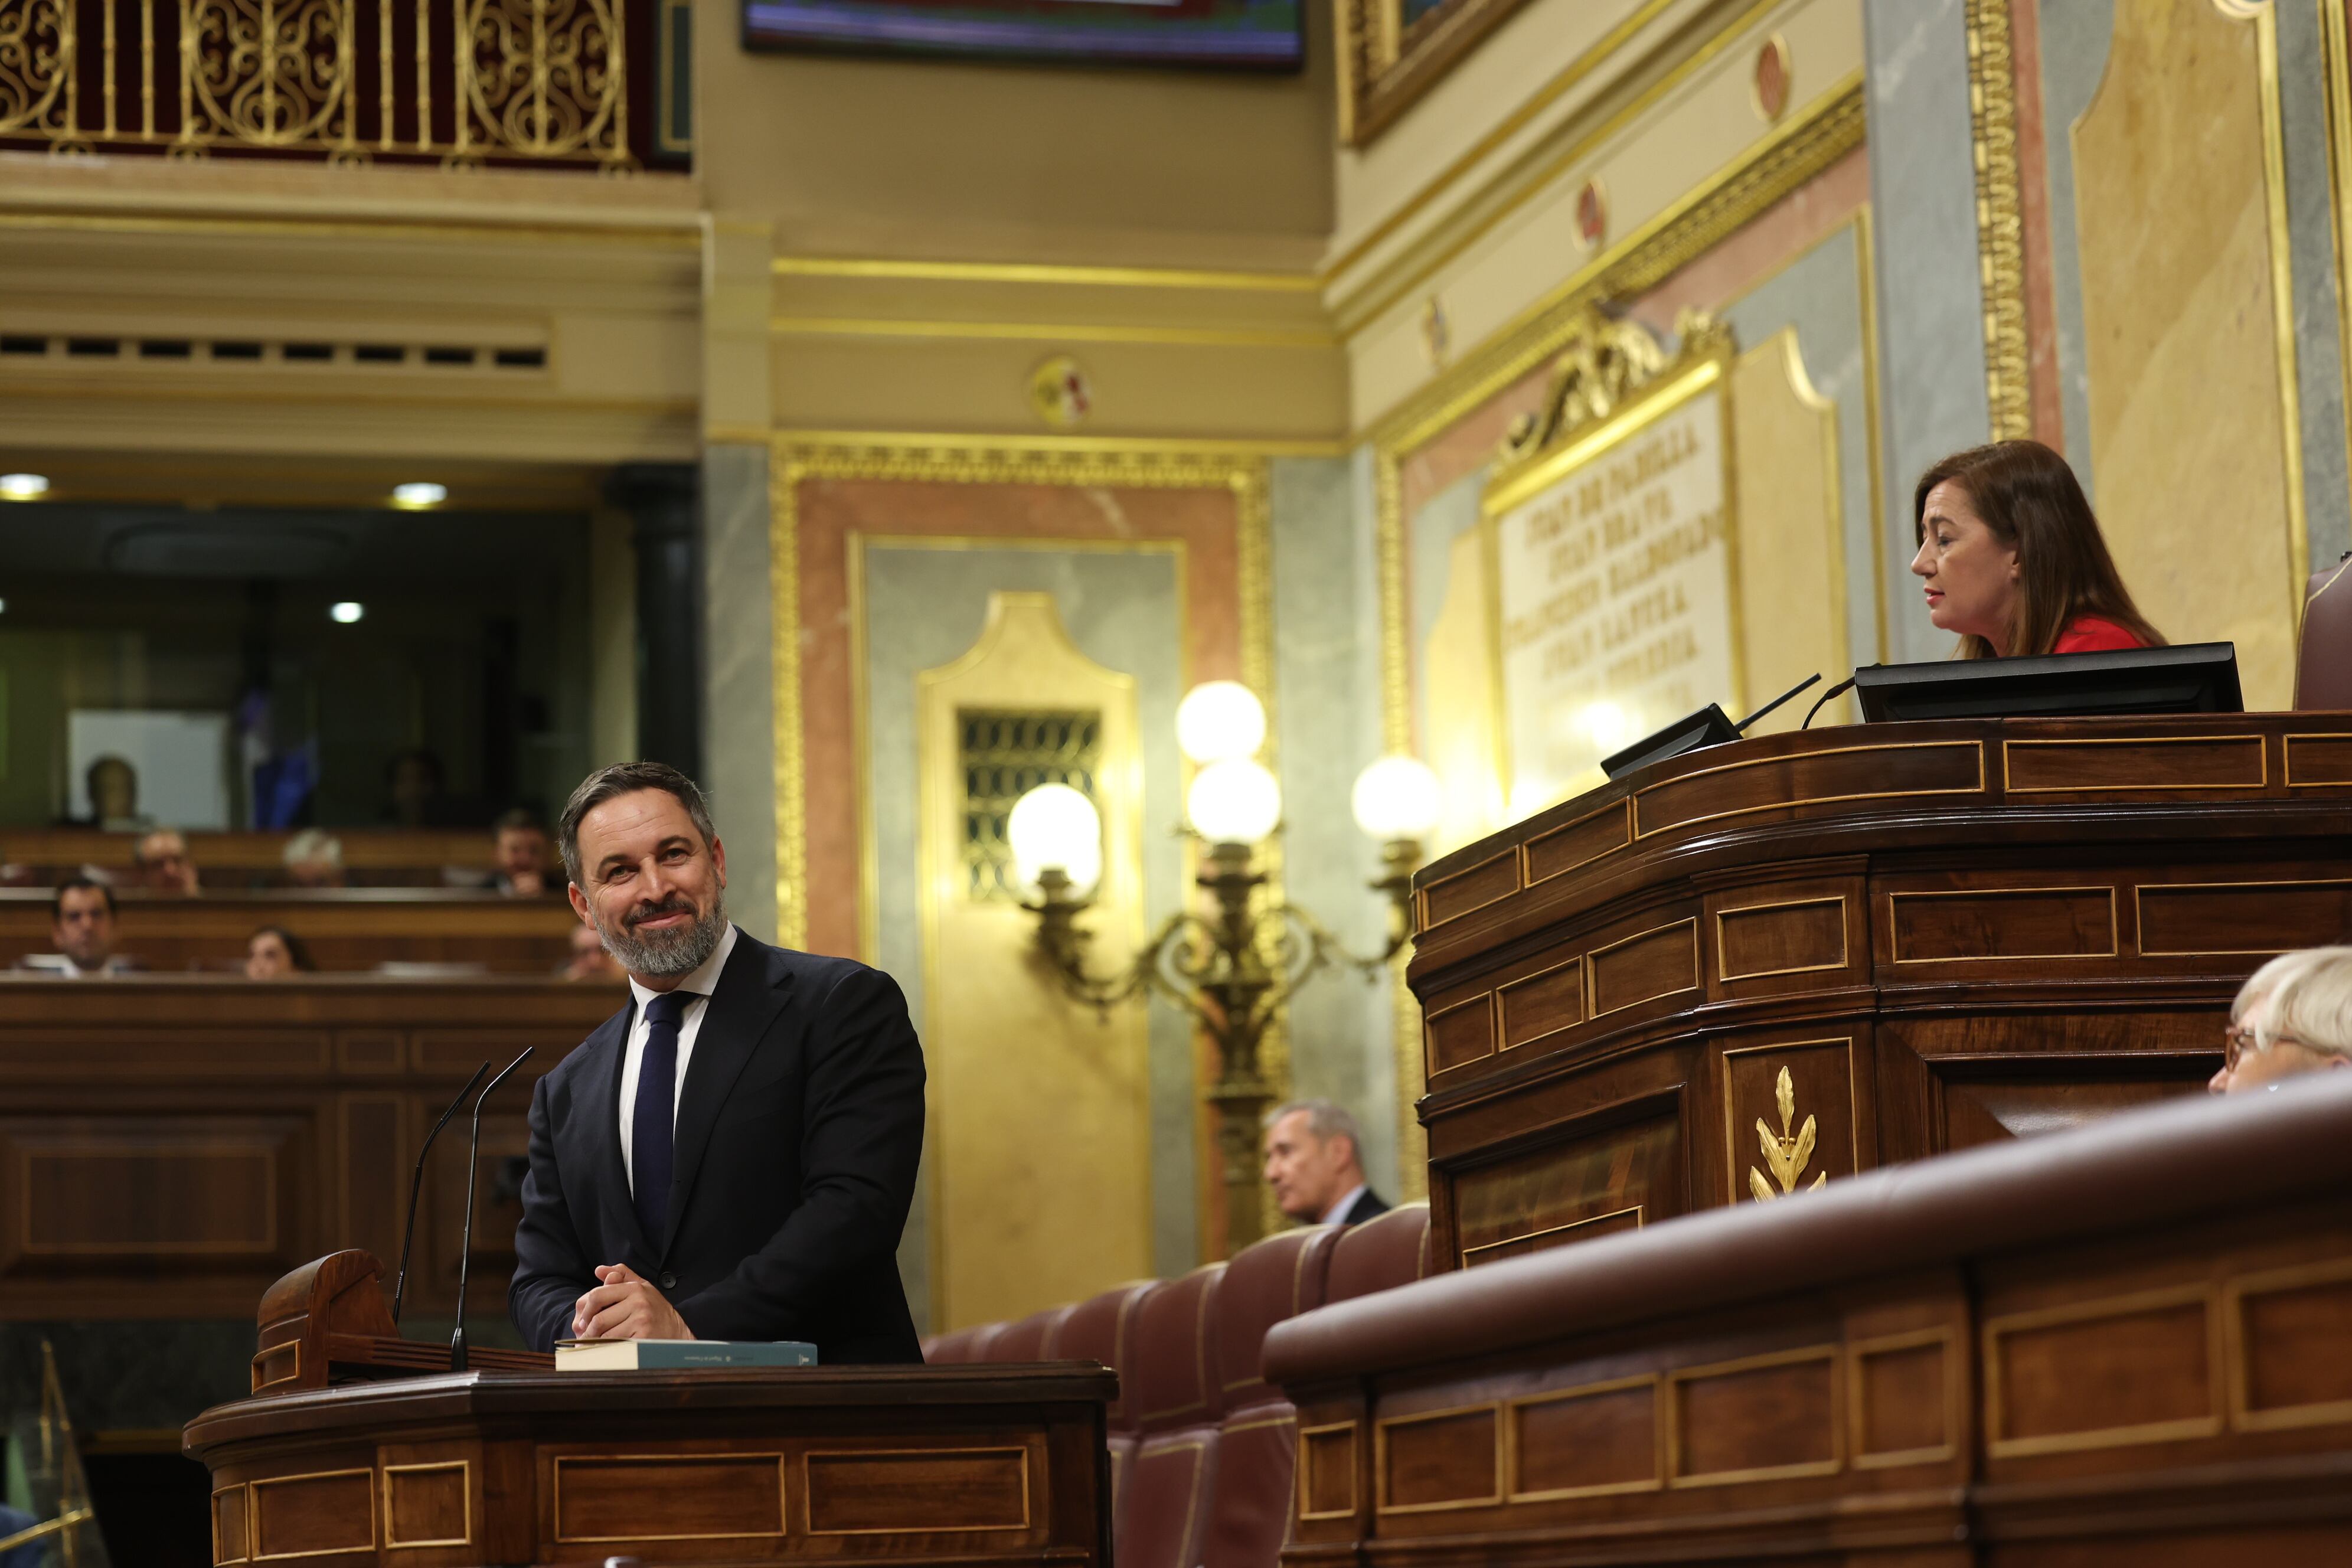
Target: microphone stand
473 1168
416 1186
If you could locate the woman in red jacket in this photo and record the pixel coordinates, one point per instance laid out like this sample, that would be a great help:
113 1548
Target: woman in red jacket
2012 557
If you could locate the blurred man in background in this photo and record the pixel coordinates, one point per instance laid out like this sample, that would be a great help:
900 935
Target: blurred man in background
314 859
1313 1164
164 865
523 856
82 923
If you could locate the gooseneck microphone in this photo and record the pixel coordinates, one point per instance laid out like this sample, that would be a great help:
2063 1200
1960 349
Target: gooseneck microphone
466 1255
1842 686
1742 725
416 1186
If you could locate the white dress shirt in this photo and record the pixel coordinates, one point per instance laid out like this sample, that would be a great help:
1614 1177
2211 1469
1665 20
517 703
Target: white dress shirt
1339 1211
702 983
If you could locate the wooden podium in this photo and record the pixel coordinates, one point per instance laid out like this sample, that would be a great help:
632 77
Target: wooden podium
358 1461
1801 956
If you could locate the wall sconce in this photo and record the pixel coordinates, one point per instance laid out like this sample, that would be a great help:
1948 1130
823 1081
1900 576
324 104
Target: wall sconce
1235 966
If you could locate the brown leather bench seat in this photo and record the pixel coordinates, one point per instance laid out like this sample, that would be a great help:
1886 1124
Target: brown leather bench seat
1202 1446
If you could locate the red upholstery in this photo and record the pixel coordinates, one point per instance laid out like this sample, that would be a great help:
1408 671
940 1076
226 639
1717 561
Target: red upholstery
1382 1253
1281 1277
2323 675
1177 1402
1031 1338
1102 1328
961 1345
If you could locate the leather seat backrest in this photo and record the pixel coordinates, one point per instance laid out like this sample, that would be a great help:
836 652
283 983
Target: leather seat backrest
1275 1279
1032 1338
1176 1401
1257 1441
1102 1328
966 1344
2323 674
1380 1254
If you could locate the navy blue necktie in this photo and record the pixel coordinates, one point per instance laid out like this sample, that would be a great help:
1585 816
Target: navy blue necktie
650 1128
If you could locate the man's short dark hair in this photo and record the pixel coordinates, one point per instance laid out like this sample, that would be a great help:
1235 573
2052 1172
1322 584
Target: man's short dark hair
57 898
521 819
620 779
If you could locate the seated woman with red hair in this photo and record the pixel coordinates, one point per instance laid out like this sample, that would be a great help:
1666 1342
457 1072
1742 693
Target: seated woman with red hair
2014 560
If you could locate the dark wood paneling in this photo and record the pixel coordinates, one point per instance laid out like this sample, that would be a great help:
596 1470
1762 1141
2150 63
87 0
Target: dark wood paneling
2318 762
2099 764
1802 935
2078 1377
1832 776
1645 966
1451 898
1820 1138
1575 844
918 1490
1584 1442
1439 1460
1461 1034
1572 1188
2008 923
668 1498
309 1514
426 1505
1749 1420
2255 918
1901 1405
1542 1003
1327 1469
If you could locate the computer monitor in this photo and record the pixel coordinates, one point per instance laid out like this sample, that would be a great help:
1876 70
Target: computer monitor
2197 677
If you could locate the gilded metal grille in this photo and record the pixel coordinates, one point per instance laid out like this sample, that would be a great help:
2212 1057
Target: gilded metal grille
1005 754
457 81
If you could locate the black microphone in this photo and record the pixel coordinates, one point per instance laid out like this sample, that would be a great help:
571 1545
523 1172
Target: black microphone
1842 686
416 1185
466 1255
1742 725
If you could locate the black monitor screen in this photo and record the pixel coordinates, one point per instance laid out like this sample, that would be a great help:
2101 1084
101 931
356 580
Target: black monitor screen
2197 677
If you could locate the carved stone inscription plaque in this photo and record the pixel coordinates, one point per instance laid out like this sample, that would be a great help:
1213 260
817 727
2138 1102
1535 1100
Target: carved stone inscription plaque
1614 611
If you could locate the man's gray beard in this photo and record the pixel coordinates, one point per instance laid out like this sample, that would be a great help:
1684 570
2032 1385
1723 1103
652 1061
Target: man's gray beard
668 953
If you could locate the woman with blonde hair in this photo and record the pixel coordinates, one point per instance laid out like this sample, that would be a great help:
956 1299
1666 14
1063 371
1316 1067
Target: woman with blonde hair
2014 562
2292 1016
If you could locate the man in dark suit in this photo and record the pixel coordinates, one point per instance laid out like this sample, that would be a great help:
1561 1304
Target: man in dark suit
731 1155
1314 1167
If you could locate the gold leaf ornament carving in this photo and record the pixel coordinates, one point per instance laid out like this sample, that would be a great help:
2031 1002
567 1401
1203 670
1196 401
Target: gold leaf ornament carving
1787 1154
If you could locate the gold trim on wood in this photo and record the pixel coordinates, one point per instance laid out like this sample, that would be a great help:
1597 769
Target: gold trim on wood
2261 758
2139 923
2286 743
1592 985
1305 1433
1675 1477
244 1518
465 1470
1518 885
1999 1448
1845 945
1654 1381
1502 1013
1794 802
1468 1253
1527 878
1429 1028
555 1501
1731 1161
2269 1282
1380 1428
1893 934
1955 1398
808 1501
253 1516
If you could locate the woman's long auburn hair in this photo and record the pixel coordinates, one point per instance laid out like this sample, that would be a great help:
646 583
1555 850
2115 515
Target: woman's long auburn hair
2028 498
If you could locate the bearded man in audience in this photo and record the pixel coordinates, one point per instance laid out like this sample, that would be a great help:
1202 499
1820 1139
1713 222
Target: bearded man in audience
2293 1017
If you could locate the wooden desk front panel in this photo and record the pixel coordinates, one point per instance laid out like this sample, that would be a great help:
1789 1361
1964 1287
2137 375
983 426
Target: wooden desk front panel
170 1147
2157 1400
2014 928
346 929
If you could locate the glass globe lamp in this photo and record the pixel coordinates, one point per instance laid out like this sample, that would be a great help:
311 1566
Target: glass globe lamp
1218 719
1055 828
1396 798
1234 802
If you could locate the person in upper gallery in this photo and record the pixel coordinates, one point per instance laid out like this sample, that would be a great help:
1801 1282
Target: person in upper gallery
1314 1167
2292 1016
164 864
82 923
273 952
521 854
733 1154
2012 557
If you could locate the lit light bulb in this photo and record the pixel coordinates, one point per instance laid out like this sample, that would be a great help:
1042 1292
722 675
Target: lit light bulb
1234 801
1396 798
1055 825
23 487
1220 719
344 612
418 494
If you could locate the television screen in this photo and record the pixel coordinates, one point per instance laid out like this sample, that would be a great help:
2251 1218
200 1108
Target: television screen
1262 35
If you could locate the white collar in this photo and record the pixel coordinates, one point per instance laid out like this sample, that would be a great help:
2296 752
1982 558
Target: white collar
1339 1211
701 983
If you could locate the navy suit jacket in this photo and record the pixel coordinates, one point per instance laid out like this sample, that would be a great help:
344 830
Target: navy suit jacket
799 1128
1367 1204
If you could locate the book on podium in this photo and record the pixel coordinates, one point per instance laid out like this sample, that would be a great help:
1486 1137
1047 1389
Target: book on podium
678 1355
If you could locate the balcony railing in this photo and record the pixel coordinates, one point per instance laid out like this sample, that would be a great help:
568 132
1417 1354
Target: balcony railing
456 82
